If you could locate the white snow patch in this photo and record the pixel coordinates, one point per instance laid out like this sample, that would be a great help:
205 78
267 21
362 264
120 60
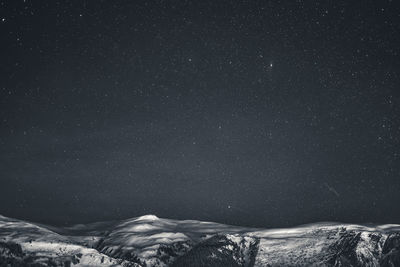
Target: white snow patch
149 217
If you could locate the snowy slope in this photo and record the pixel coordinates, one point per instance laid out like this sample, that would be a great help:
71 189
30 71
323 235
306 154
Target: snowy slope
23 243
151 241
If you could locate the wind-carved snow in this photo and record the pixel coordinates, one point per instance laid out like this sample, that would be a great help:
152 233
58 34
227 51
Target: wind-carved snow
40 245
149 217
89 256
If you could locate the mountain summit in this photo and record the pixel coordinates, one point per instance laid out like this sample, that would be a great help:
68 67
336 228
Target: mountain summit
149 217
152 241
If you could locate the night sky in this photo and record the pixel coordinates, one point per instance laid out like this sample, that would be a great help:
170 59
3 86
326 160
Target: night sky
255 113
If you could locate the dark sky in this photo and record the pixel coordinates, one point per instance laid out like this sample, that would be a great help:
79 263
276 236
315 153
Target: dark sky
258 113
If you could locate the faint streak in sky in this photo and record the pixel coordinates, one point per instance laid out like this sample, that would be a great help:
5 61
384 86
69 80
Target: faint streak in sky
333 190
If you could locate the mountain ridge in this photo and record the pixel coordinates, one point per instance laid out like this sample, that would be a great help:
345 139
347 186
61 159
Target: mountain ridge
152 241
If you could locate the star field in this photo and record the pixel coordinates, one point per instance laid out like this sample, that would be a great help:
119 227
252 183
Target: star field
259 113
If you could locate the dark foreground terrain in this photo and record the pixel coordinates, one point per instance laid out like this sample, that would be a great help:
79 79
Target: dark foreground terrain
151 241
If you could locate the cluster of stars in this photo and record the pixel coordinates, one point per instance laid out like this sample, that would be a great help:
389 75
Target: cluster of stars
285 110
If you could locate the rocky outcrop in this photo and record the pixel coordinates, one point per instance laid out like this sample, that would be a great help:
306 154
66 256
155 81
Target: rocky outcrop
391 251
221 250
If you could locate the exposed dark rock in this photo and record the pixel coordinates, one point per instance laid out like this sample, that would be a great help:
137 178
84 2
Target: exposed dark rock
219 251
391 251
344 251
168 253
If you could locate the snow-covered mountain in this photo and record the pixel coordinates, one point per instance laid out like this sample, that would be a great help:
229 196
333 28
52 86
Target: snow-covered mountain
151 241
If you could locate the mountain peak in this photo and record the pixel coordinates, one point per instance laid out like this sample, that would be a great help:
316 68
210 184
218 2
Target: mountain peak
148 217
